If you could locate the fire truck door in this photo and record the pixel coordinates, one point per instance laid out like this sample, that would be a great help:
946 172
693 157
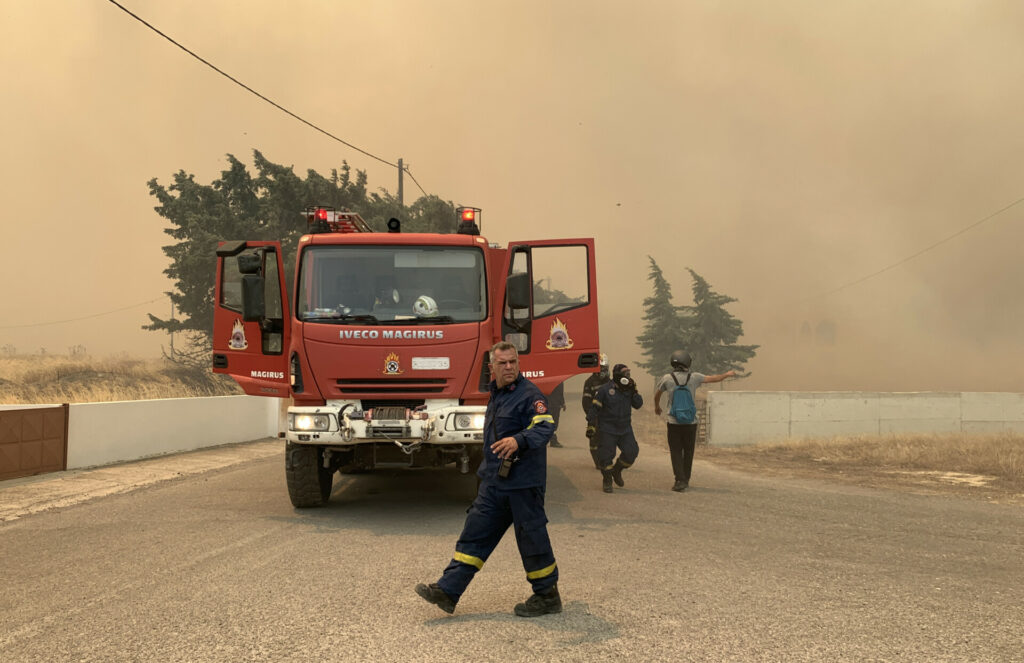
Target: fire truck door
251 322
550 310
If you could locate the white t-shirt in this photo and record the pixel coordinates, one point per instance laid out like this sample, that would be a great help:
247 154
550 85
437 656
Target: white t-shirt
668 385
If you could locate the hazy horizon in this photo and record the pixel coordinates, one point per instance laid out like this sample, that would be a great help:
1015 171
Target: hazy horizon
831 166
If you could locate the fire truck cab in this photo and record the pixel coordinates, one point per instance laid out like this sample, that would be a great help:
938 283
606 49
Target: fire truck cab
382 347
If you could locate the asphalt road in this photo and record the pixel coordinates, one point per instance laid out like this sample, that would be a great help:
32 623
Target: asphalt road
204 559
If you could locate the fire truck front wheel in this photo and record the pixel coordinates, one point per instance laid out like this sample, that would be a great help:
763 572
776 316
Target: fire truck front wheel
309 482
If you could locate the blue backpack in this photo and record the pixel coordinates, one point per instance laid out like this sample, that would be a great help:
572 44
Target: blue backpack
683 409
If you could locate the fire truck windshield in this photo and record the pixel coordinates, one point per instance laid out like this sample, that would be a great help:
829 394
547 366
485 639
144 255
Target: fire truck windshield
391 285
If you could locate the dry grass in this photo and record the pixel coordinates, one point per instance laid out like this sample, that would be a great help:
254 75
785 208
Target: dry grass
988 465
993 455
62 379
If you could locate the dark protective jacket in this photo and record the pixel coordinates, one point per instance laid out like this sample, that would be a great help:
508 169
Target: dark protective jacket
590 387
519 410
611 411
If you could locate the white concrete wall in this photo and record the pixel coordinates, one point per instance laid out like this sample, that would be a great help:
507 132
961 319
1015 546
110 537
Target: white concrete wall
104 433
749 417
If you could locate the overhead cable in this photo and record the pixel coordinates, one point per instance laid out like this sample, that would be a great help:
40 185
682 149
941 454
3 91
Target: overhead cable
264 98
84 317
915 255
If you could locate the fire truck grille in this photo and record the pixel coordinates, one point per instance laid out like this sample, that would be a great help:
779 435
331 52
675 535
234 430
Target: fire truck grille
392 386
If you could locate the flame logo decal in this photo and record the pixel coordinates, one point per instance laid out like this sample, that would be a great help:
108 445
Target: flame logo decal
558 339
237 341
392 365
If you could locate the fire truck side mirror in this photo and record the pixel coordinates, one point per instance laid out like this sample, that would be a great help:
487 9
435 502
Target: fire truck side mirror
250 263
254 307
517 291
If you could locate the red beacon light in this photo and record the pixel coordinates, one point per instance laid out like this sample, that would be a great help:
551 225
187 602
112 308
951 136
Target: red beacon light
469 220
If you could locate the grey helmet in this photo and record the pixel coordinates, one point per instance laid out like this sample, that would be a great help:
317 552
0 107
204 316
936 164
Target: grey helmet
681 359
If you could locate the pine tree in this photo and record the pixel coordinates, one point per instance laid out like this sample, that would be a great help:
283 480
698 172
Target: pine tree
711 337
666 327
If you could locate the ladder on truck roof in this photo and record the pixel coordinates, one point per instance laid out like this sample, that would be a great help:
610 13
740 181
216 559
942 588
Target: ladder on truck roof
327 219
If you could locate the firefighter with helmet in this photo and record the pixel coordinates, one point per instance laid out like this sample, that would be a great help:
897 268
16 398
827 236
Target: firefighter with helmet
611 421
594 382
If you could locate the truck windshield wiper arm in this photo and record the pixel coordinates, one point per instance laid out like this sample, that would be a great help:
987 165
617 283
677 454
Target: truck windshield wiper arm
341 317
428 319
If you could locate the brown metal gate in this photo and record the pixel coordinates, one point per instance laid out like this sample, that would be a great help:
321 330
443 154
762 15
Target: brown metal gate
33 441
702 421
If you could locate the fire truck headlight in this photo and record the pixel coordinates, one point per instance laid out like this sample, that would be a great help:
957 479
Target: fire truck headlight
310 422
469 421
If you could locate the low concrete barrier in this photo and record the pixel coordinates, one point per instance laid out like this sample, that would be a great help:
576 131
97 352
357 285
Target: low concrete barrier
749 417
104 433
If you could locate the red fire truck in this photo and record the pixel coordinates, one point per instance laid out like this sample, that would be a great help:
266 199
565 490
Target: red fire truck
382 347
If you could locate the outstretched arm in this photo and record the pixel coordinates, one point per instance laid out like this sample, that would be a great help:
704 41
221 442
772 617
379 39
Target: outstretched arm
720 376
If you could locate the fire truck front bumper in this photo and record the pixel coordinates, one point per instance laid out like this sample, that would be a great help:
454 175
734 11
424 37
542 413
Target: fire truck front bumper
346 425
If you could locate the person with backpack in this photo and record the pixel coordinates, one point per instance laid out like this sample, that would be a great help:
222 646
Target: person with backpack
610 421
681 417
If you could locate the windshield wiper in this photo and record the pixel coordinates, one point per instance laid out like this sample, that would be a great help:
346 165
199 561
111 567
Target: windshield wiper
430 318
335 316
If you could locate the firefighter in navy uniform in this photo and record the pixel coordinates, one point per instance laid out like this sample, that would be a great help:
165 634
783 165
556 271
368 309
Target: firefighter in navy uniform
513 476
590 387
611 418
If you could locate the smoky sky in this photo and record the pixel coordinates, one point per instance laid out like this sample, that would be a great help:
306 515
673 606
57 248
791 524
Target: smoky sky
783 150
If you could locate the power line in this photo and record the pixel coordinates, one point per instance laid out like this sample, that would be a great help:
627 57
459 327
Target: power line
249 89
915 255
84 317
413 178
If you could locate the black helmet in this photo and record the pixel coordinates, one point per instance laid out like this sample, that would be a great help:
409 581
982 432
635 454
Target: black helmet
681 359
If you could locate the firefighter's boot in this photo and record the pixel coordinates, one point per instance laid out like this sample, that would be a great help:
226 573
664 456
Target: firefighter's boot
617 473
433 594
540 604
606 481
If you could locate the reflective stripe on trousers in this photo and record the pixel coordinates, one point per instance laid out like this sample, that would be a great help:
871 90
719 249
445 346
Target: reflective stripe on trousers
491 514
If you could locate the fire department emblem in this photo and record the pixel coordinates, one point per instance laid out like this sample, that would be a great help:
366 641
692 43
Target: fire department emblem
392 365
237 341
540 407
558 339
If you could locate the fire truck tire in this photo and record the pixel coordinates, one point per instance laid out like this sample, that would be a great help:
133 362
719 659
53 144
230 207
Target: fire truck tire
309 482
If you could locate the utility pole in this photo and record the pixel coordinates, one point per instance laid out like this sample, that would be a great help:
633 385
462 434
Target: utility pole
401 195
